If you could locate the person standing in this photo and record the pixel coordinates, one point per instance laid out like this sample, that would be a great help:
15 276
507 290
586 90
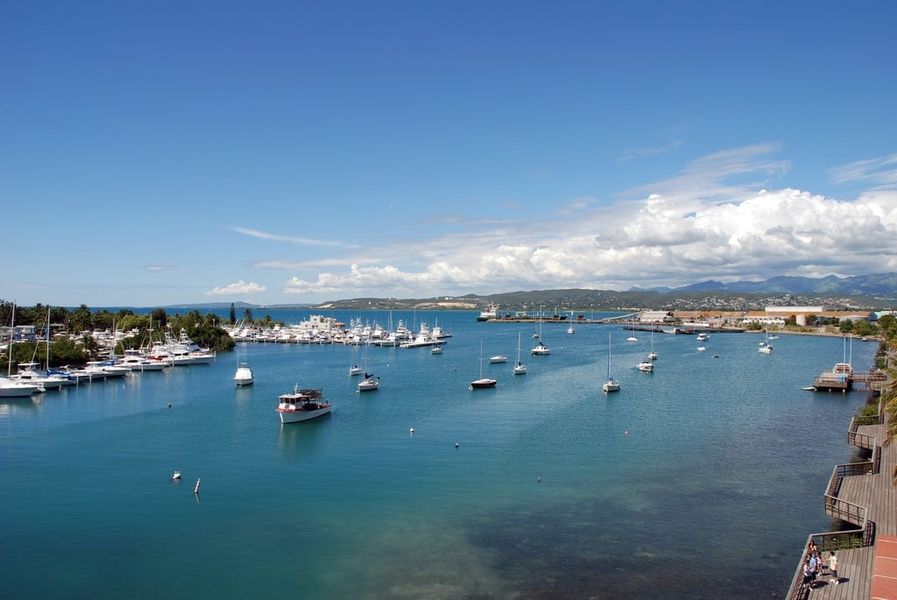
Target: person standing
833 568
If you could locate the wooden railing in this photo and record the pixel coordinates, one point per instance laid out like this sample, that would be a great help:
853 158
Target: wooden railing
846 511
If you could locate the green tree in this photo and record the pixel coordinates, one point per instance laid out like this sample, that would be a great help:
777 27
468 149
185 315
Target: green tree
233 314
159 317
79 319
247 315
845 325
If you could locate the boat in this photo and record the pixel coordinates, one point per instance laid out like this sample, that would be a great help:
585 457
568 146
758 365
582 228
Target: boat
702 337
571 330
482 382
611 385
498 358
28 373
765 348
8 387
490 312
773 337
540 349
354 369
243 376
652 355
702 348
17 389
369 383
436 349
135 361
632 339
301 405
519 368
646 366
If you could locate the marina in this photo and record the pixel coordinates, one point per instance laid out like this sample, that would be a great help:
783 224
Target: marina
547 453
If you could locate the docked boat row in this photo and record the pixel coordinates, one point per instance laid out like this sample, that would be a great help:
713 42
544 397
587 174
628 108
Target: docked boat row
318 329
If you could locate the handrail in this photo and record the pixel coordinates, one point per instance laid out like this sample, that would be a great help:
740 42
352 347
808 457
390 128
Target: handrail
844 510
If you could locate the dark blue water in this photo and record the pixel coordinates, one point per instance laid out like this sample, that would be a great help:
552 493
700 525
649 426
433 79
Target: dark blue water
713 489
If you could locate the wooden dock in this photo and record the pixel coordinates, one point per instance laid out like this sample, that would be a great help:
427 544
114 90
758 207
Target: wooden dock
863 495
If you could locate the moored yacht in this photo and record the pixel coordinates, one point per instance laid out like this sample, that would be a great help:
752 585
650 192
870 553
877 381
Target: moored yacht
17 389
301 405
369 383
243 376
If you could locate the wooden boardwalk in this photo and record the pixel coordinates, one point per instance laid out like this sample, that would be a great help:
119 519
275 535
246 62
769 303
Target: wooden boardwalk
864 495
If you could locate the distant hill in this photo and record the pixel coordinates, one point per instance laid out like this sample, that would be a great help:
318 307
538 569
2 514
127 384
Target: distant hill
877 290
884 284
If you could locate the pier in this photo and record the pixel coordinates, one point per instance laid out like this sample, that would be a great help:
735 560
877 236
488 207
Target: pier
863 495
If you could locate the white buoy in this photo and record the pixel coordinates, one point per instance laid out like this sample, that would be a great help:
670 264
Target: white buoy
457 445
411 431
196 488
539 479
176 476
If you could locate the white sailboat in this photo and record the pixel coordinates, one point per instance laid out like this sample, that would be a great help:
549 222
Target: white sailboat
354 369
519 368
540 349
765 348
8 387
482 382
370 382
611 385
652 355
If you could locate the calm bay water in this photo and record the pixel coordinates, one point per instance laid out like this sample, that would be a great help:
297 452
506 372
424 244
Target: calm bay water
715 486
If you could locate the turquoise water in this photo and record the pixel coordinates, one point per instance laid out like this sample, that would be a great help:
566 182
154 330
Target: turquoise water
704 476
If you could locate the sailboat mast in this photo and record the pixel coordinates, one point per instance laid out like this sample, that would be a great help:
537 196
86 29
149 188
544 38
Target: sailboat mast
48 338
12 336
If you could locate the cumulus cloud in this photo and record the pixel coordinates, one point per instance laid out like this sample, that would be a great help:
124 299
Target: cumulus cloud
717 218
238 288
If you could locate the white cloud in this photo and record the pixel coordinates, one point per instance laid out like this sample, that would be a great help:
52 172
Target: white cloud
238 288
880 171
161 268
274 237
713 219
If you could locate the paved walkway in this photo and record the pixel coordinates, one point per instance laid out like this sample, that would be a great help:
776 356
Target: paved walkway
884 570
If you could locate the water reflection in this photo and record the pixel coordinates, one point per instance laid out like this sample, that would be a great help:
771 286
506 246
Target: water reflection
299 439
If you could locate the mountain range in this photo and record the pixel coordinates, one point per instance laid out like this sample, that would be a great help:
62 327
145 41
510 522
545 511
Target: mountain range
875 284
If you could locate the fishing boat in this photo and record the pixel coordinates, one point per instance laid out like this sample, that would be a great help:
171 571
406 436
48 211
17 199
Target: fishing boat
482 382
243 376
611 385
519 368
301 405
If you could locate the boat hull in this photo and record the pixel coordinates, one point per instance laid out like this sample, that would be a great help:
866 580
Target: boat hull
480 384
297 416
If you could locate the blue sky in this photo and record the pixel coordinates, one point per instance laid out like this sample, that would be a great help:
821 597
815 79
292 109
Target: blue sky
156 153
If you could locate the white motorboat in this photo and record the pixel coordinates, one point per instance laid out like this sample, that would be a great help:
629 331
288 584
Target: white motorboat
702 348
611 385
436 349
646 366
571 329
490 313
702 337
135 362
17 389
482 382
243 376
369 383
29 374
498 358
301 405
632 339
